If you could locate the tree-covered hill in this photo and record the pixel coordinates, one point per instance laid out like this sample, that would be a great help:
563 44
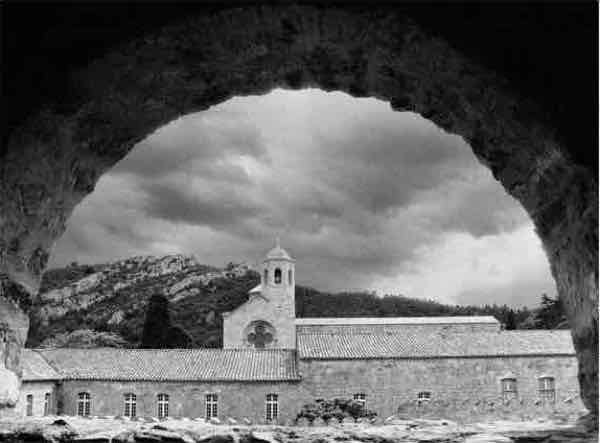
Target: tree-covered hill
113 298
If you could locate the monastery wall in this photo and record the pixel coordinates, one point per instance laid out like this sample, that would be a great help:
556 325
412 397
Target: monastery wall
237 400
458 386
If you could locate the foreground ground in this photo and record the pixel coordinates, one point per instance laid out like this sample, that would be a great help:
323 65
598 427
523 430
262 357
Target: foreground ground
118 430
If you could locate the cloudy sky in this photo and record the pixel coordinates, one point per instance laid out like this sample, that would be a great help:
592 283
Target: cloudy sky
363 197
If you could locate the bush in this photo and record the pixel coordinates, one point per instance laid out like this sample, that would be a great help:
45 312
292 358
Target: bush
336 409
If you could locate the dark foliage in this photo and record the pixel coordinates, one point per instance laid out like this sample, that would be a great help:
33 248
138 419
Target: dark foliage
312 303
158 332
336 409
550 315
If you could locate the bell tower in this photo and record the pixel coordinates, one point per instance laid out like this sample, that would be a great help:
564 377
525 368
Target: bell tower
278 279
268 319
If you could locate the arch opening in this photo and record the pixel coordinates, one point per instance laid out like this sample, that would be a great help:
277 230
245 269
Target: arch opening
290 47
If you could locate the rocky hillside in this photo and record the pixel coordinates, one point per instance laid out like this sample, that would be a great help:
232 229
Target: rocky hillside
105 304
112 297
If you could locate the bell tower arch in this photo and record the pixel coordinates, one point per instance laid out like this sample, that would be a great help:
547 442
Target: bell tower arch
278 287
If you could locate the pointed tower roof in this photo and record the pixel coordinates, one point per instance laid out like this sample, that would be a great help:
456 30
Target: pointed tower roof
278 253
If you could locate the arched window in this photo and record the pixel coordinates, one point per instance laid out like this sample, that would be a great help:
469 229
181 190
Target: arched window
277 276
266 277
547 389
130 405
272 407
509 388
29 399
163 405
83 404
47 403
290 277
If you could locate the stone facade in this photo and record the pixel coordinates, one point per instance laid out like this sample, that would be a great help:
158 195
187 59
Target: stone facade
458 385
186 399
274 305
460 388
38 391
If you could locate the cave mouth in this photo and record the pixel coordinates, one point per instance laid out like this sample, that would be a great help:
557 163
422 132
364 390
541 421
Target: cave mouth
55 158
370 198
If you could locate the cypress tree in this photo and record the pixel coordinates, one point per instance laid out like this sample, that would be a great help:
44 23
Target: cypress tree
157 324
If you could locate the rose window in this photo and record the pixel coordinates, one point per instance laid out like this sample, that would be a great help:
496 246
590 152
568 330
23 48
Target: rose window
260 335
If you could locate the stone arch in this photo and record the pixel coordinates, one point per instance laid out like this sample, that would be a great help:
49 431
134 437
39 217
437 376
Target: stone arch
54 159
277 276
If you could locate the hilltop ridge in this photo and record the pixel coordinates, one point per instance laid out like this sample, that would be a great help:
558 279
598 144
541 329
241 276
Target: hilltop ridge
105 304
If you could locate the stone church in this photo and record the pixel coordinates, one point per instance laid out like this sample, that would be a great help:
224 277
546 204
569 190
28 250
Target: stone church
272 363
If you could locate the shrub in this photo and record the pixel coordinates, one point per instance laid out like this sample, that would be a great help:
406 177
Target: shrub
337 409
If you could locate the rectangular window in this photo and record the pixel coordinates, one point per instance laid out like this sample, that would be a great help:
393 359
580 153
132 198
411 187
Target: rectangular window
163 405
509 389
47 403
272 407
83 404
211 406
361 398
29 410
547 389
130 405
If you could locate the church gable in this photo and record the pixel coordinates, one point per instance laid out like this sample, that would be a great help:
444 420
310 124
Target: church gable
267 319
254 304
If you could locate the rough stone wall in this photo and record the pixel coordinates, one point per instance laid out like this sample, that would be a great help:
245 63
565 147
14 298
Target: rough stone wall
237 400
461 389
469 386
38 390
54 159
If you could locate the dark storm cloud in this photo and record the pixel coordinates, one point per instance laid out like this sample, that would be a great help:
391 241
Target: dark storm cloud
105 225
219 210
194 143
363 196
382 168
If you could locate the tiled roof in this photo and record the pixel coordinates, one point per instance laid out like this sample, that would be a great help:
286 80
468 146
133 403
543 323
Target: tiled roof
397 320
35 368
174 364
433 344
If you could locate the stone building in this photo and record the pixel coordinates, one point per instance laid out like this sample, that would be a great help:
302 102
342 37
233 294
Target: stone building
273 363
